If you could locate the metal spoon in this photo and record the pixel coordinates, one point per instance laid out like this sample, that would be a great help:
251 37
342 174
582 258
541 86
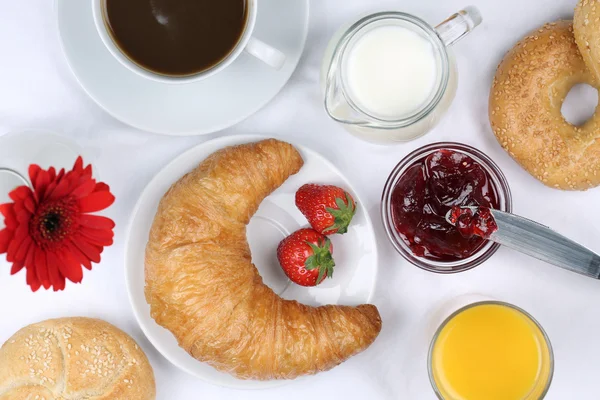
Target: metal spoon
541 242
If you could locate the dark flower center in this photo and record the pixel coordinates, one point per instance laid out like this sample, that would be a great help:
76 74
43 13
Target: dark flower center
51 222
54 222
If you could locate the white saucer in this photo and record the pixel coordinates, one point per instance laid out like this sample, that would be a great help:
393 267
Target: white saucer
197 108
355 252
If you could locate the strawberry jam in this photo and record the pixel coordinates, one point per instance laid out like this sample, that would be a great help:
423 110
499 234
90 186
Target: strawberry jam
479 223
424 194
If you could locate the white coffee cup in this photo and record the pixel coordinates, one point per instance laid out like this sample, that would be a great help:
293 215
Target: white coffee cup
262 51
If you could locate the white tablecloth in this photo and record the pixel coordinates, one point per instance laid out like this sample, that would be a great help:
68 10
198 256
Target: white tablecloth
37 90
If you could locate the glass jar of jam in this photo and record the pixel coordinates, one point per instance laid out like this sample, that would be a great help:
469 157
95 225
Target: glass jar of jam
424 187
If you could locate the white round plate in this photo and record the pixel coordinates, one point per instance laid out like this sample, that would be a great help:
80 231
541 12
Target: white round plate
355 252
201 107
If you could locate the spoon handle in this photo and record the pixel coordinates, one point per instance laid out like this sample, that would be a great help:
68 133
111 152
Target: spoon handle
543 243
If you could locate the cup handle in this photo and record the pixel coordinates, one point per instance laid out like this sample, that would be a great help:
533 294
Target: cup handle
459 25
265 53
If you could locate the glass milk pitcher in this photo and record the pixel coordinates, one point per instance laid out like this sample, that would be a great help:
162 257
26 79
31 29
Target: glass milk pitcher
379 96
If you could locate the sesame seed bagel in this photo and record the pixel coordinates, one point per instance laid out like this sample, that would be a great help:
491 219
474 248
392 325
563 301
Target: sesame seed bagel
587 33
75 359
529 89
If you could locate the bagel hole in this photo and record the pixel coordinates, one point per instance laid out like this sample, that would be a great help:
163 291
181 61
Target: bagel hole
580 104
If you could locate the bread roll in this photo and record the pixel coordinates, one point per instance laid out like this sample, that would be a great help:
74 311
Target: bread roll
74 358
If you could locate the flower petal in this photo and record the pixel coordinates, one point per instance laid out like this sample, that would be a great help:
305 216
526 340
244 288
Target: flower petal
20 193
32 280
90 251
6 208
23 217
23 249
29 204
5 238
96 201
76 179
19 206
11 222
34 170
96 222
78 254
41 267
78 166
10 218
61 190
30 257
30 265
69 267
21 234
52 173
56 279
41 184
102 187
97 237
53 185
16 267
85 189
88 170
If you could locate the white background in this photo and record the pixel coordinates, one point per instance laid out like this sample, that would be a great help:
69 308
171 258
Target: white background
37 90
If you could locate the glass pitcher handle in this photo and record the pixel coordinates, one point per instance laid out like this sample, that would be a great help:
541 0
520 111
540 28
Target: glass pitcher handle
459 25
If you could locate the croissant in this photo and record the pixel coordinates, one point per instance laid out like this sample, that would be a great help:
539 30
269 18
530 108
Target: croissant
202 286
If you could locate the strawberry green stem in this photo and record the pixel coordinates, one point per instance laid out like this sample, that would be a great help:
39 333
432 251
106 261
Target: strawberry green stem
342 215
321 259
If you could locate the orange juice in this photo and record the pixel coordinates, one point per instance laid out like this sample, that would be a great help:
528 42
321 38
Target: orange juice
491 351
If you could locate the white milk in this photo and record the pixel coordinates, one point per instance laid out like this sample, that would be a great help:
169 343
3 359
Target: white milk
391 72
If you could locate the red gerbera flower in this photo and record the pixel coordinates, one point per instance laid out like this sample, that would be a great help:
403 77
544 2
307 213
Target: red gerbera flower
49 230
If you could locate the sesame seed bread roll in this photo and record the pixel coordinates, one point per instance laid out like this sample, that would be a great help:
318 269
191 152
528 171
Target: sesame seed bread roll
526 98
76 359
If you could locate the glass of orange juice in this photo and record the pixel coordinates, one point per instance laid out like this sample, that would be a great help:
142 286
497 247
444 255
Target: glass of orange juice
490 350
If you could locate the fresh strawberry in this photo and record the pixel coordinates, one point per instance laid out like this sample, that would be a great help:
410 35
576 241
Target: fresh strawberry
328 209
306 257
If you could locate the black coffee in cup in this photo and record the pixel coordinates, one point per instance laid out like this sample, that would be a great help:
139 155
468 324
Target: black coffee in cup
176 37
